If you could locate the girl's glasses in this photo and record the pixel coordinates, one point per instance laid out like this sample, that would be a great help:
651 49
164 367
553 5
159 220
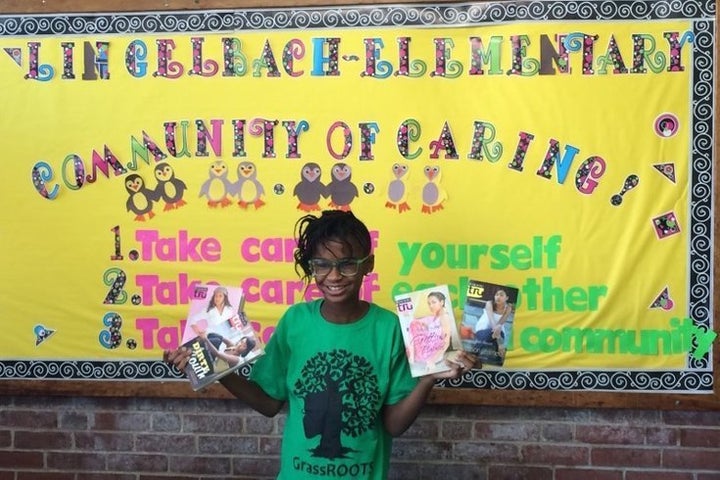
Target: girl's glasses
348 267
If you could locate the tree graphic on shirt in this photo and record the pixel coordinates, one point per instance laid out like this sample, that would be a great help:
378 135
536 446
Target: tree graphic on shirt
341 395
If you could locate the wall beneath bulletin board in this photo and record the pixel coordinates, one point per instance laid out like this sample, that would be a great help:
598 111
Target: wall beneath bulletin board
533 144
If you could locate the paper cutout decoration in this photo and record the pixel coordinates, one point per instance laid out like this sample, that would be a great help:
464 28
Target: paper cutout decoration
397 188
42 333
433 195
15 54
248 188
667 169
310 188
630 183
341 190
218 187
666 125
666 225
663 300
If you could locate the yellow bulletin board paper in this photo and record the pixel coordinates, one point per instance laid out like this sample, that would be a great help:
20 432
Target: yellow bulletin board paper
567 155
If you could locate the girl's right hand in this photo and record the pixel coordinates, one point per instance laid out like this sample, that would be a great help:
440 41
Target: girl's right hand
177 358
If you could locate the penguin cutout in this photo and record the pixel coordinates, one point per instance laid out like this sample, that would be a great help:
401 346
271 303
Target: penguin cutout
310 188
248 188
341 189
217 188
141 198
433 195
397 189
169 188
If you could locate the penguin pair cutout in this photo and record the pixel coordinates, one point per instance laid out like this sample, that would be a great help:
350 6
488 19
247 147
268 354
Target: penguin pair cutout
169 189
341 190
433 195
218 189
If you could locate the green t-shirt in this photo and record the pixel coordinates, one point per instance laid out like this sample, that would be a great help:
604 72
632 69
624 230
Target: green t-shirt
335 378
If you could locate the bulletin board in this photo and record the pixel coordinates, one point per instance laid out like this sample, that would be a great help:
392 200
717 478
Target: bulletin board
565 148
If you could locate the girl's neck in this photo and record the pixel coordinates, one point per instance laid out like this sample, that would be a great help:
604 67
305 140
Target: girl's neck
345 312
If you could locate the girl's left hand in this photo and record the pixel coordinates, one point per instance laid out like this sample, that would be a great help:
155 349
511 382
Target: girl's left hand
460 364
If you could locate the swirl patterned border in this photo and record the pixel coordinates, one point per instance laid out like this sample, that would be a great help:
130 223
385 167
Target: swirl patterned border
587 380
353 16
697 378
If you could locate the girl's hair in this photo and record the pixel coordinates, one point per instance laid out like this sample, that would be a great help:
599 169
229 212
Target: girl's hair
439 295
226 300
312 232
249 345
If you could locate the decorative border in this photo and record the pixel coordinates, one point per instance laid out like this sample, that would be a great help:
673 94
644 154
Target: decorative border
699 376
349 17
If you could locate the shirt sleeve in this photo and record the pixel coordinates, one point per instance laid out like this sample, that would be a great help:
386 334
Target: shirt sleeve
270 370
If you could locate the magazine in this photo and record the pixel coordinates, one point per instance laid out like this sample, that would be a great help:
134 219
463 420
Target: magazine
487 320
429 329
218 334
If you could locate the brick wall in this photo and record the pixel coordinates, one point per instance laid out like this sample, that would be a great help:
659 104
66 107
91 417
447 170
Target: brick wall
64 438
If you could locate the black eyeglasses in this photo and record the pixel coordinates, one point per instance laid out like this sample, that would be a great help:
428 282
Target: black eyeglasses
348 267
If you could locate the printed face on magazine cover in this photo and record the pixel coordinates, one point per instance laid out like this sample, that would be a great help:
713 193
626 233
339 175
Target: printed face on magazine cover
435 303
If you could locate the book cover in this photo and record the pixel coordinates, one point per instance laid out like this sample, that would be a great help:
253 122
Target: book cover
429 329
218 334
487 320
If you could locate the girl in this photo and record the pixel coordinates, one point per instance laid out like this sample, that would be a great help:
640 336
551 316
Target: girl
489 327
338 362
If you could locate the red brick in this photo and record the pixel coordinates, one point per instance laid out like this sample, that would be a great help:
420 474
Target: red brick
121 421
708 476
126 462
657 475
456 430
625 457
689 459
458 471
417 450
166 422
517 432
700 437
104 441
483 453
186 444
256 467
587 474
28 419
76 462
200 465
509 472
560 432
45 476
260 425
107 476
73 421
5 438
270 445
42 440
661 436
424 429
611 434
691 418
21 459
228 444
229 424
550 454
